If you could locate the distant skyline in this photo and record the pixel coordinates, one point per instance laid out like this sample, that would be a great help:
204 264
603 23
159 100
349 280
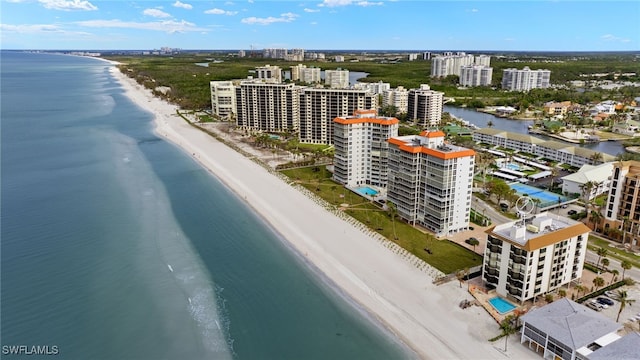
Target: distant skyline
322 25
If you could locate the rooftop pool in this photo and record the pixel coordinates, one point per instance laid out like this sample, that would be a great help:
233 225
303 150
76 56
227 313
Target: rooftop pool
501 305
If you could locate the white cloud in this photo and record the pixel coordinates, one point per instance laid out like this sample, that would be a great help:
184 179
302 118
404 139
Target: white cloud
334 3
168 26
367 3
474 10
610 37
311 10
156 13
220 12
179 4
286 17
37 29
68 5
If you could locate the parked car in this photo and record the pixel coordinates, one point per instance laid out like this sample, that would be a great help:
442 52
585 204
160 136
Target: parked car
565 206
594 305
605 301
571 212
611 294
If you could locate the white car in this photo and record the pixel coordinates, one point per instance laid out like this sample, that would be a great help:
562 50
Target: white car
594 305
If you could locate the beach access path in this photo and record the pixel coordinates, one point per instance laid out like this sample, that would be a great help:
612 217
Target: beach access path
366 269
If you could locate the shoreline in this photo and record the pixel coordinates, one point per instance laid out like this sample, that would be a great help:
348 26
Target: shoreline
385 284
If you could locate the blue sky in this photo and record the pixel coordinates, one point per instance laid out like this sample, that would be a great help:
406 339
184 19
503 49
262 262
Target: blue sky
558 25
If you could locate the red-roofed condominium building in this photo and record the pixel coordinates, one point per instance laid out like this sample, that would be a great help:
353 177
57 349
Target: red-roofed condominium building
361 148
430 181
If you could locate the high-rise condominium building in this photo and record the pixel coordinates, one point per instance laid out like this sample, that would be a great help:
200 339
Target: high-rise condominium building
223 99
375 88
525 79
476 75
451 64
622 211
398 97
337 79
267 106
269 73
361 148
318 107
429 181
524 259
425 106
305 74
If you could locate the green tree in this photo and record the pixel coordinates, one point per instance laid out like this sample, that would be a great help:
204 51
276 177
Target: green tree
489 124
614 276
624 300
605 263
626 265
601 252
508 327
474 242
598 282
595 219
393 211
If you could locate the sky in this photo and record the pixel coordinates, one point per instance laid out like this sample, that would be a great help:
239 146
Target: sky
509 25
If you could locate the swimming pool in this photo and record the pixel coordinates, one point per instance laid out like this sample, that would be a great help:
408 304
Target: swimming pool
365 190
501 305
512 166
546 198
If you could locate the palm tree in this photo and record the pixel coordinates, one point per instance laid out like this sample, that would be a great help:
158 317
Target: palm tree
624 300
614 276
624 230
596 158
474 242
587 188
602 252
393 211
554 175
605 263
507 328
580 289
626 265
595 219
598 282
489 124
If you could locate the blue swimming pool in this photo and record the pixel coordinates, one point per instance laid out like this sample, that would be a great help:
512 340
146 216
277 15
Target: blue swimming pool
501 305
546 198
512 166
365 190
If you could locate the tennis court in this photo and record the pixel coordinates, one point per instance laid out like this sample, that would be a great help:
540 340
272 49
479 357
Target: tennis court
545 197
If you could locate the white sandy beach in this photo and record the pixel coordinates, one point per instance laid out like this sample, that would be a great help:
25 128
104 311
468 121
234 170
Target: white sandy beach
390 287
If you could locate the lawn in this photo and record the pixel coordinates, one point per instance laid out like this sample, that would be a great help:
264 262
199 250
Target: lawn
444 255
595 243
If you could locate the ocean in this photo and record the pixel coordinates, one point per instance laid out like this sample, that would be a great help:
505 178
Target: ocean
116 244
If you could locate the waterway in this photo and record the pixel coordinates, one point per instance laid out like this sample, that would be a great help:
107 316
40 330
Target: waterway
522 126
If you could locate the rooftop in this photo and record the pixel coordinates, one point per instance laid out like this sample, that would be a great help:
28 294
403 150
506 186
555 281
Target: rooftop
539 231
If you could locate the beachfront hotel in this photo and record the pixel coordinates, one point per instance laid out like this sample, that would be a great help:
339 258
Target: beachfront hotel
361 148
525 79
429 181
552 150
525 259
425 106
267 106
318 107
622 209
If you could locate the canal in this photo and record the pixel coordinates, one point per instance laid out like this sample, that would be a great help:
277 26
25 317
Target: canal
521 126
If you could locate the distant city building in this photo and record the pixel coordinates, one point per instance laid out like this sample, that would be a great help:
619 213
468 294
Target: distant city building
337 79
242 54
305 74
375 88
314 56
361 148
295 55
318 107
429 181
269 72
398 97
223 99
339 58
425 106
412 57
524 260
475 75
622 209
482 60
269 107
426 55
525 79
274 53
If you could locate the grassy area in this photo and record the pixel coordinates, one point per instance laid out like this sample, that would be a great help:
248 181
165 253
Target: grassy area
596 243
444 255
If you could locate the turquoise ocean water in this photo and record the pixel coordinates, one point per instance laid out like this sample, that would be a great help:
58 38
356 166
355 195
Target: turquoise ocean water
115 244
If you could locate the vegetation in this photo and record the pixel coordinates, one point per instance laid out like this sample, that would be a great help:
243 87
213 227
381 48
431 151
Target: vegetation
444 255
